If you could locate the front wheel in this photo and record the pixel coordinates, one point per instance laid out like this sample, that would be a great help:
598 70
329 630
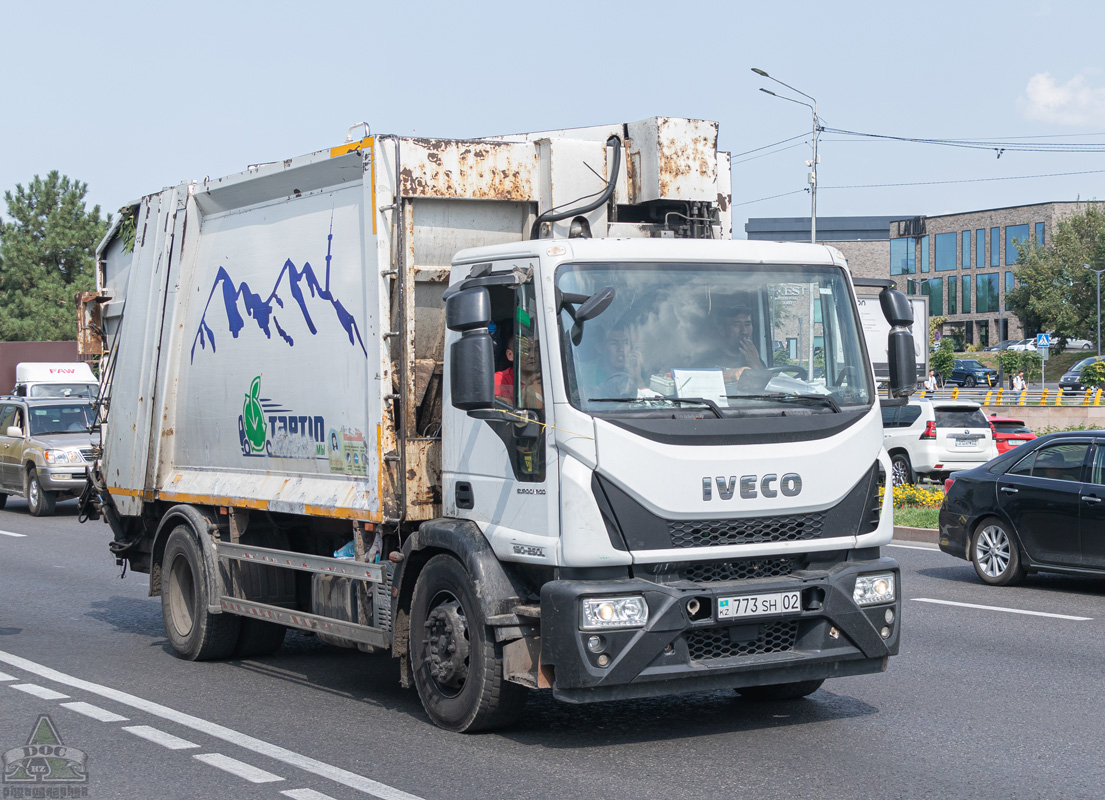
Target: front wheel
995 555
781 691
457 665
194 632
39 501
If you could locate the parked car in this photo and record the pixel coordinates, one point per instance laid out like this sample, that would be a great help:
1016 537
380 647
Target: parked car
1024 344
44 447
969 372
1072 378
935 438
1009 432
1002 345
1039 507
1072 344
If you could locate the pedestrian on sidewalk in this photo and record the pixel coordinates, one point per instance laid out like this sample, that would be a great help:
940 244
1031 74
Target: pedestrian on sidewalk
930 382
1018 382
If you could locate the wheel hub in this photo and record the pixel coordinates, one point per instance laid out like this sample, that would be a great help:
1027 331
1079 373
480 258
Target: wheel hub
446 645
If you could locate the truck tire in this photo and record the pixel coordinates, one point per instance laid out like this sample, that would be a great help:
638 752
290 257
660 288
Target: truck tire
457 665
39 501
781 691
194 633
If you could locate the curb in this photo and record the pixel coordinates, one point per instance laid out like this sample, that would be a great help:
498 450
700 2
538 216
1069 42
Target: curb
924 535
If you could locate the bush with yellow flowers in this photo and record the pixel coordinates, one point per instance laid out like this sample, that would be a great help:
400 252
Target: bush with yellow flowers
910 496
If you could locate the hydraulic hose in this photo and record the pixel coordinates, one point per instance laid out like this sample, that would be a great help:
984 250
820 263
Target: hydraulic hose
552 215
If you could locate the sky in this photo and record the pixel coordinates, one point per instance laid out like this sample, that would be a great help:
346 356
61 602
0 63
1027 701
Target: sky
130 101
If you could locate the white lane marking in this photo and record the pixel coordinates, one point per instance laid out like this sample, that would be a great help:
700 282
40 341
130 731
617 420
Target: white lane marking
915 547
160 737
305 763
10 533
999 608
305 794
40 691
6 677
97 713
239 768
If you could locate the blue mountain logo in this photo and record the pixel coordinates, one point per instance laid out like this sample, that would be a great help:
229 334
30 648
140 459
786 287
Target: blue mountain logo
289 295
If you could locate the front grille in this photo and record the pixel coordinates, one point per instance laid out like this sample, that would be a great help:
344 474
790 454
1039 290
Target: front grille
713 643
718 571
87 454
713 532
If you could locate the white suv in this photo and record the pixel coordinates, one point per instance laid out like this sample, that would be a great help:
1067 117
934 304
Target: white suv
935 437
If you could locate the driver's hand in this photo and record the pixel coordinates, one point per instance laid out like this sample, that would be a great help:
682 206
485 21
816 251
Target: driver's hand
749 351
633 364
733 374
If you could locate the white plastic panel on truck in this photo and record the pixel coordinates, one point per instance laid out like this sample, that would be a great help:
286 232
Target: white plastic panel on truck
277 397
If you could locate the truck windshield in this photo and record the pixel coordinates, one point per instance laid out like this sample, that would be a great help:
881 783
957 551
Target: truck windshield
713 340
50 419
64 390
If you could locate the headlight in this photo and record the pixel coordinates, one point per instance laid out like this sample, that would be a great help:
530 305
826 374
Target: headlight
598 613
61 457
872 590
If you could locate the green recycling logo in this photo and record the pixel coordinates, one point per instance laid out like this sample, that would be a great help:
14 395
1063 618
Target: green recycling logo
253 419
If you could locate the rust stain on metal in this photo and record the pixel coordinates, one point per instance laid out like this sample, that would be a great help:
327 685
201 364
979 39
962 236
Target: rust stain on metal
168 432
90 338
463 169
722 201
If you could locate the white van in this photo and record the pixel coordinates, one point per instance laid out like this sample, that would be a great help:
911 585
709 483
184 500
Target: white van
44 379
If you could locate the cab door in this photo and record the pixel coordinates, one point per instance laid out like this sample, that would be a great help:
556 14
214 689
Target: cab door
499 465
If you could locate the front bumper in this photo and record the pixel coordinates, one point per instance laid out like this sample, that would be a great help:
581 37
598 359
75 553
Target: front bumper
64 478
829 637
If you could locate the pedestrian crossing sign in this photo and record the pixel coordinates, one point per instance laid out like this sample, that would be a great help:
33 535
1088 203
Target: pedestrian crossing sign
1043 340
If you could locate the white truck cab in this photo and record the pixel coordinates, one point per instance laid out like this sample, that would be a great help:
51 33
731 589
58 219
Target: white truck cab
49 379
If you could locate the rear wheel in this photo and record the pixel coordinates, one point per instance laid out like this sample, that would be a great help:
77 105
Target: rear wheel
194 632
457 664
969 381
39 501
901 469
995 555
781 691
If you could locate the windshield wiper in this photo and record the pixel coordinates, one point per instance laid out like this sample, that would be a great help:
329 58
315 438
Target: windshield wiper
823 399
710 404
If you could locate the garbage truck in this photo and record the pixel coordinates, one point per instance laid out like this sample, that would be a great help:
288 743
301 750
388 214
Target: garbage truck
516 411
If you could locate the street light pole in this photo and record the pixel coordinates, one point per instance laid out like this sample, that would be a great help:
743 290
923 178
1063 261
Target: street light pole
1098 271
816 131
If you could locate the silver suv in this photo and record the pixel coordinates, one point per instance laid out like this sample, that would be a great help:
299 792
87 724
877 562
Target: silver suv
935 437
45 446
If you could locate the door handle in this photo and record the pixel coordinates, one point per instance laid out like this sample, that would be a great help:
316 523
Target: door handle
1009 490
1091 499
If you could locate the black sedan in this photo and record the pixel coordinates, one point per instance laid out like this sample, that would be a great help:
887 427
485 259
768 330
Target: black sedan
970 373
1038 508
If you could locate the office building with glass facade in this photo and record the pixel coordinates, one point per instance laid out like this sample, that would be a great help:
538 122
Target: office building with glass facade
964 263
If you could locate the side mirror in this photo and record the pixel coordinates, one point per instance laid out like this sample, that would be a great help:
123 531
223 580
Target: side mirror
14 432
468 309
472 356
899 345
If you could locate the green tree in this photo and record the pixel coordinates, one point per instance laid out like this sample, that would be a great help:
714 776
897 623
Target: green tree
1054 292
1093 374
46 257
944 358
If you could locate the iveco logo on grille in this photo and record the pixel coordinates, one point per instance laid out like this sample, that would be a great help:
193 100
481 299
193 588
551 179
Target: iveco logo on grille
751 486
